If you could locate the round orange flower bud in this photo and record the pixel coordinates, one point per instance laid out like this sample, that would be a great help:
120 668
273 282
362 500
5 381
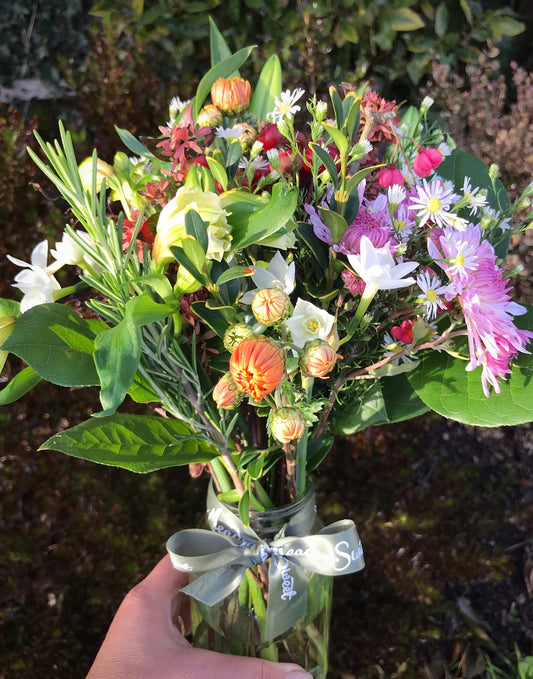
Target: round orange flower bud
231 95
235 334
209 116
257 366
270 305
317 358
226 394
286 424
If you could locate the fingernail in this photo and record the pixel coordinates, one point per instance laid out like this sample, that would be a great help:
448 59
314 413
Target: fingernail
298 674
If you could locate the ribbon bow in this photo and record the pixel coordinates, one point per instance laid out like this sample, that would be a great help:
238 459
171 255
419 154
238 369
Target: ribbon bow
223 554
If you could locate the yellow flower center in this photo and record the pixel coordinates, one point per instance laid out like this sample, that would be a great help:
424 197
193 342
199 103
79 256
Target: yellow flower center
312 325
434 205
399 224
459 260
431 295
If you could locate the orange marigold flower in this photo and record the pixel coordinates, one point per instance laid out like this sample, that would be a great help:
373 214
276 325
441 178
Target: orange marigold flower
257 366
231 95
270 305
286 424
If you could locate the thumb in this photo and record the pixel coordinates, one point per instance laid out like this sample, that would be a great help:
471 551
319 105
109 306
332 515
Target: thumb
201 663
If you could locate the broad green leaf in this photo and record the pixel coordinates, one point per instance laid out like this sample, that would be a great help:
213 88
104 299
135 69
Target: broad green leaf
18 386
144 310
181 257
159 284
40 338
141 392
223 69
317 450
318 248
267 89
401 402
194 252
218 47
338 137
140 443
445 386
133 144
264 223
505 25
405 19
335 223
117 356
219 172
196 227
234 272
328 163
211 317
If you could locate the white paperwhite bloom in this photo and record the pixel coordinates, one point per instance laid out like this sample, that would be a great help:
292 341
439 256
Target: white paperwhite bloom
278 274
67 251
285 105
308 322
376 266
35 281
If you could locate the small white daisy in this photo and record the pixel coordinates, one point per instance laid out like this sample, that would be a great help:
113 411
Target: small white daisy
433 202
258 163
229 132
285 105
392 348
396 194
432 293
475 202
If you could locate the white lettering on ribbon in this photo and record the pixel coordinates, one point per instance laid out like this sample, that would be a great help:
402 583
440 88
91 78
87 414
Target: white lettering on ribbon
349 557
287 583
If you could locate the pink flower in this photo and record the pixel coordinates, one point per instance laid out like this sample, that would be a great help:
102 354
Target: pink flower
389 176
426 161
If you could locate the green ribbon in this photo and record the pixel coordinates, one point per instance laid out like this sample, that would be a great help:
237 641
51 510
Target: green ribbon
222 555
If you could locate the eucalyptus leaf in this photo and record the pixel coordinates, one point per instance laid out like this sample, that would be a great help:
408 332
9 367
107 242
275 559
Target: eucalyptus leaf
140 443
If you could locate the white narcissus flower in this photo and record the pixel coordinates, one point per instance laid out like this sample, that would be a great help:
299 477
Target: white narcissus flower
278 275
308 322
376 266
67 251
35 281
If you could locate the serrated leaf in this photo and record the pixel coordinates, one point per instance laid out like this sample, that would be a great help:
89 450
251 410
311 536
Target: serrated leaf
317 451
40 338
267 89
18 386
140 443
133 144
117 356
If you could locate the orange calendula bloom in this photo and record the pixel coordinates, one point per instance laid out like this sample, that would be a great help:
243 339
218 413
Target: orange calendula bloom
226 394
318 358
231 95
257 366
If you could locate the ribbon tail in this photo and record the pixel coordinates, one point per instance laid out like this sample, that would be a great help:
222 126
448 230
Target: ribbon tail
210 588
287 598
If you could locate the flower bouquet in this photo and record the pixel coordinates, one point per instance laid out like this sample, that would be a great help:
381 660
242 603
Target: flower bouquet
265 275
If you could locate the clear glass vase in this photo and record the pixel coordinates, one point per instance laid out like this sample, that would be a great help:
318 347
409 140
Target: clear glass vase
236 625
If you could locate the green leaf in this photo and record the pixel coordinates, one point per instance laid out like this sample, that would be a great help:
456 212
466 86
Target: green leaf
337 108
467 10
265 222
214 318
41 339
405 19
140 443
181 257
317 451
338 137
218 47
244 509
336 224
196 227
328 163
133 144
117 356
18 386
229 496
194 252
144 310
505 25
223 69
441 20
219 172
267 89
234 272
447 388
318 248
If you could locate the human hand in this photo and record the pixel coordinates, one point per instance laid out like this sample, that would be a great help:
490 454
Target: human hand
143 641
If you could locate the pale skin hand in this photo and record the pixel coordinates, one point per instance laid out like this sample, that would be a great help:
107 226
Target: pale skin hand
143 642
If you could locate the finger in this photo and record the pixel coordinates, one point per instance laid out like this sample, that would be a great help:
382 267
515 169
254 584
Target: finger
197 663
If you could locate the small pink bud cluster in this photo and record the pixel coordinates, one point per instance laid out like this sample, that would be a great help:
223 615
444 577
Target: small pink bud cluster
426 161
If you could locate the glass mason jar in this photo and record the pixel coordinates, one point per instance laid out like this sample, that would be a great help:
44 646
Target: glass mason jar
236 624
